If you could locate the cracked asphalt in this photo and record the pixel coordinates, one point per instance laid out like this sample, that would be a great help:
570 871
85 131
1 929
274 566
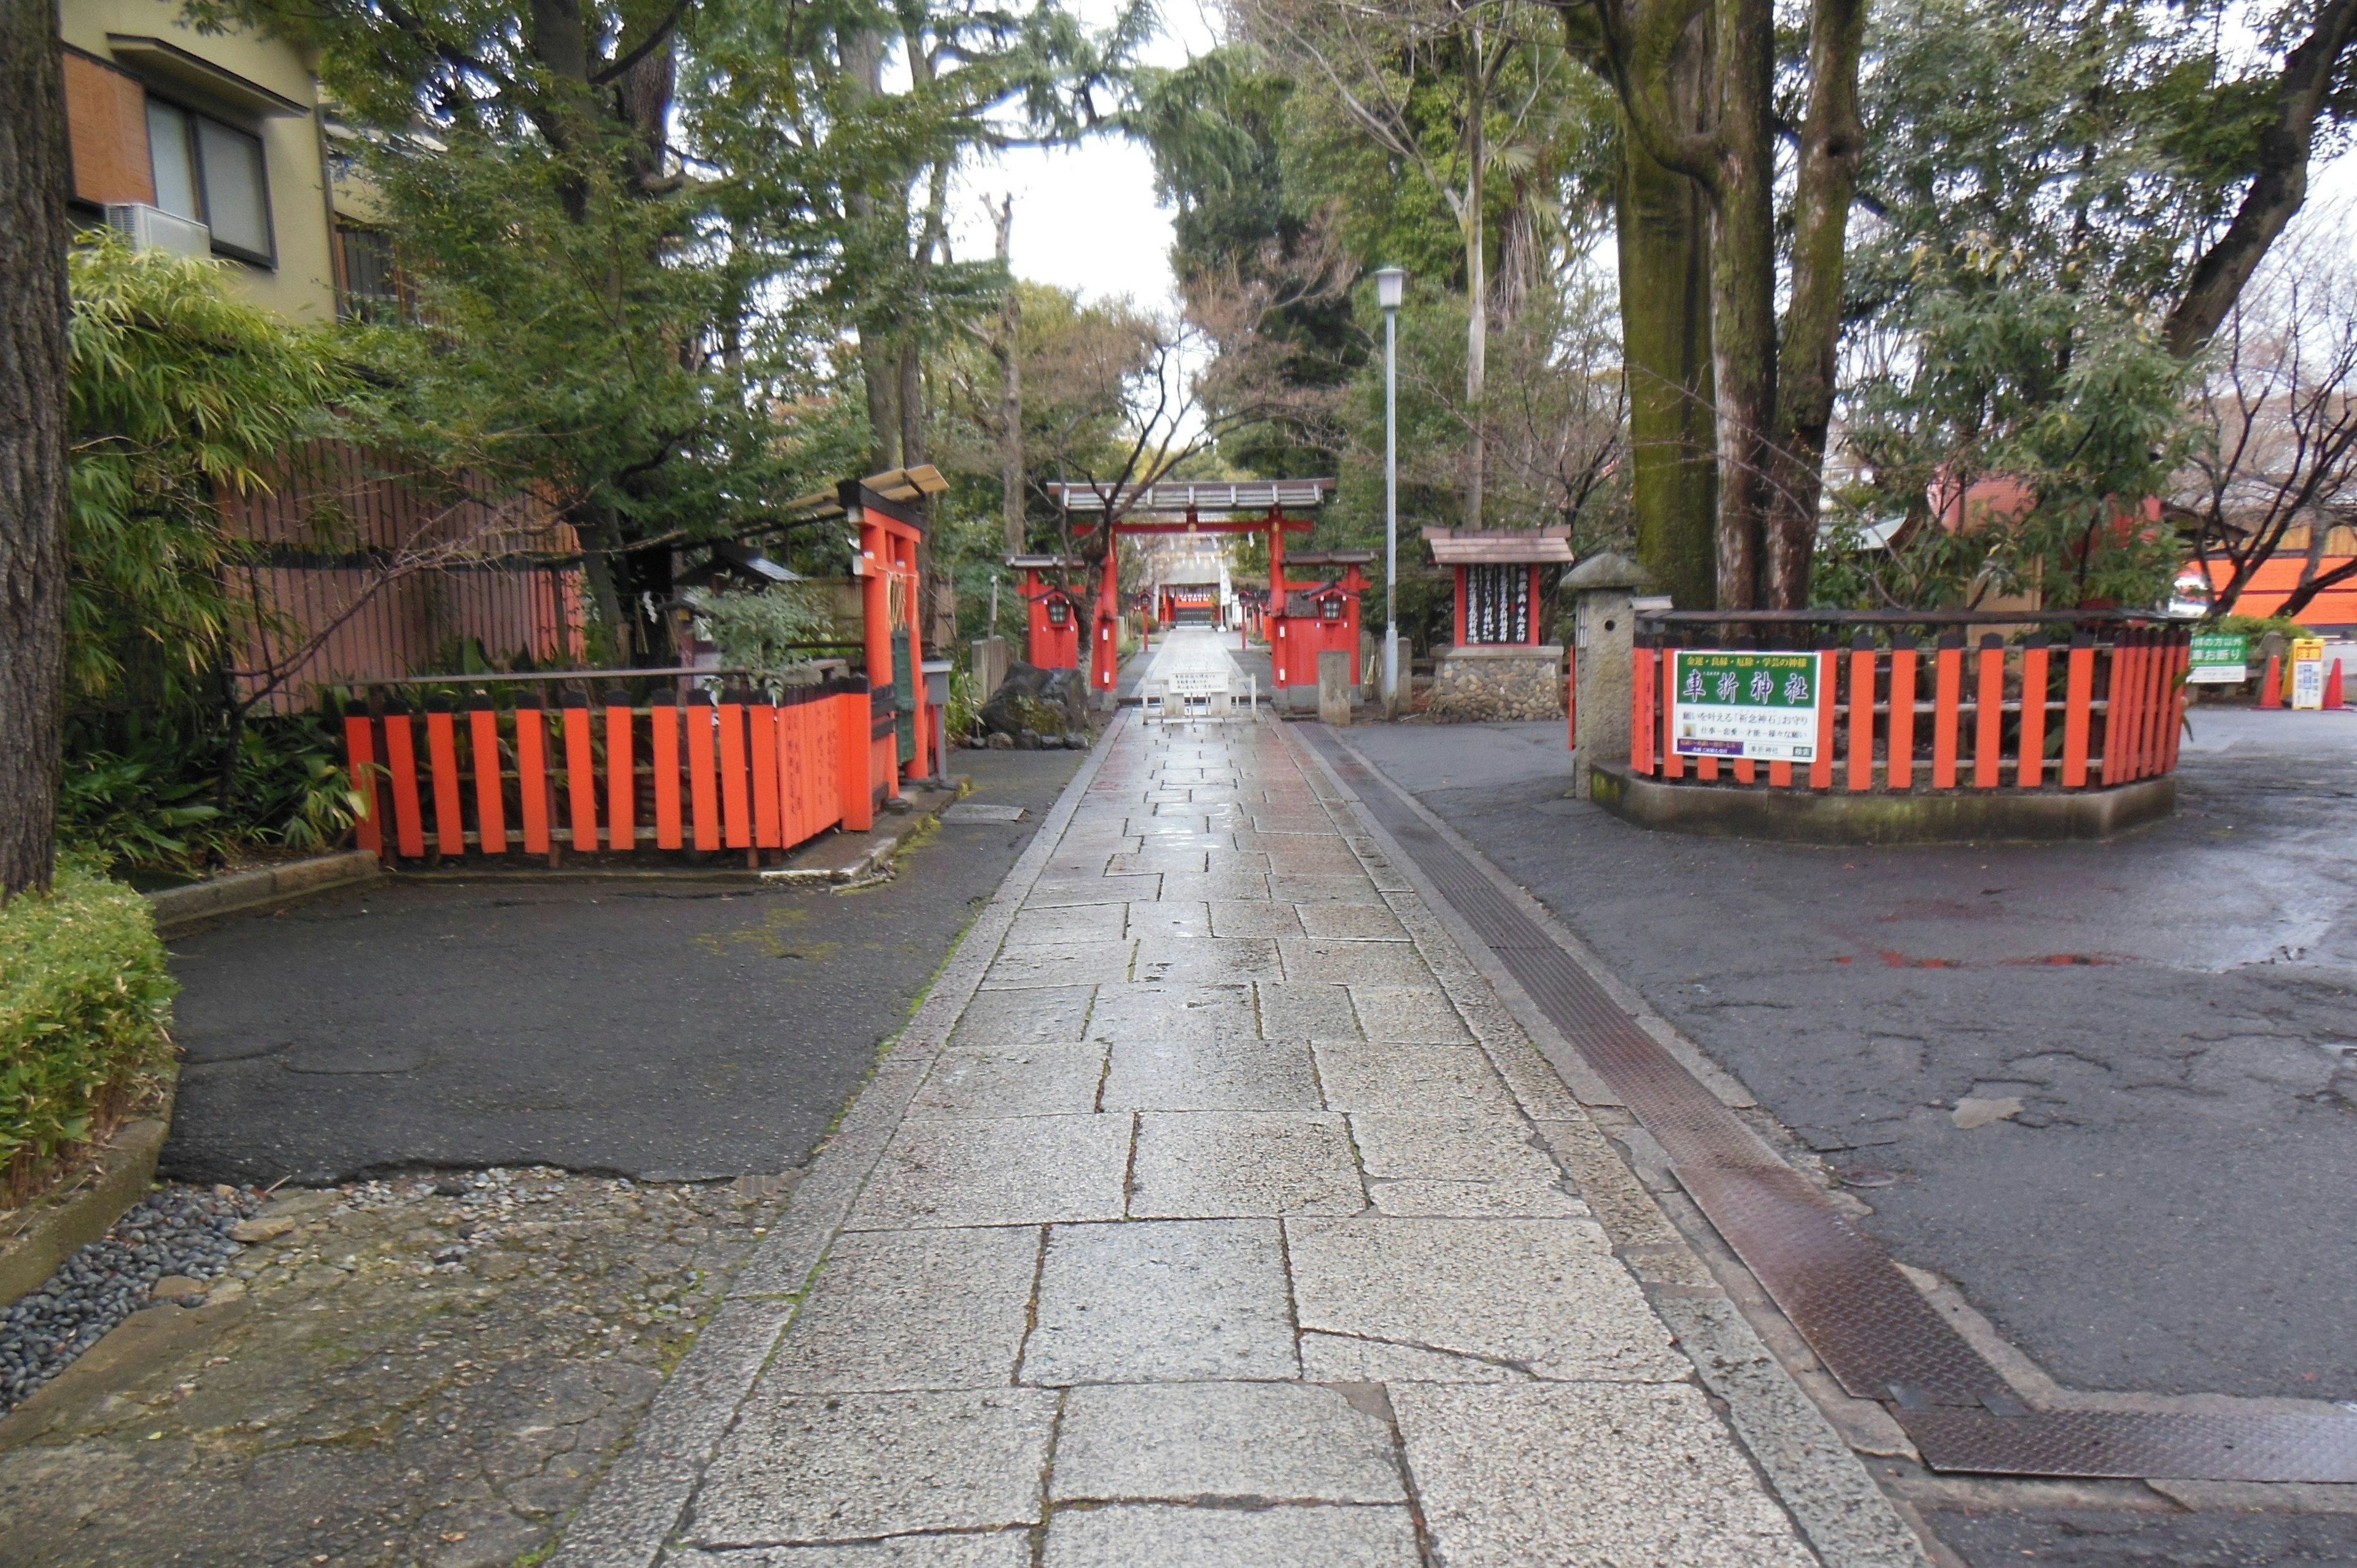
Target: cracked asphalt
2175 1013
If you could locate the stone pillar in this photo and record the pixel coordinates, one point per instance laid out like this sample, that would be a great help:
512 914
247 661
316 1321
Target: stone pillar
1335 685
1604 591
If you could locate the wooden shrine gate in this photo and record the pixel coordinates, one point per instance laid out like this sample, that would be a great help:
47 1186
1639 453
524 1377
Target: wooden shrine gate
745 773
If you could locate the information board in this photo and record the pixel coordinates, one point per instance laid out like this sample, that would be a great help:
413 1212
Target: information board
1758 706
2307 673
2220 658
1197 682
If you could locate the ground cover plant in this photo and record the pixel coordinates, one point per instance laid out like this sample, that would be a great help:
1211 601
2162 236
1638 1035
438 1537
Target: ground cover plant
85 1000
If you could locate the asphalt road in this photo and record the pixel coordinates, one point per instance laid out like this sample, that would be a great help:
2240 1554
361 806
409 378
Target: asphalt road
2176 1012
672 1031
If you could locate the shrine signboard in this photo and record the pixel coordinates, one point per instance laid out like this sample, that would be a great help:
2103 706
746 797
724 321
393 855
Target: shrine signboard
1742 704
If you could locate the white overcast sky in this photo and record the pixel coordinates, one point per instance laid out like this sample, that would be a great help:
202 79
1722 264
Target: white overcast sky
1084 216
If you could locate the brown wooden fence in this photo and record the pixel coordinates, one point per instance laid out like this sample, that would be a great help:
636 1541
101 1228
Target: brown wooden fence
743 774
2100 709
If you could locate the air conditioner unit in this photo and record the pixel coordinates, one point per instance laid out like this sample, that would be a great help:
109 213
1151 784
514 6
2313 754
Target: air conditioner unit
151 228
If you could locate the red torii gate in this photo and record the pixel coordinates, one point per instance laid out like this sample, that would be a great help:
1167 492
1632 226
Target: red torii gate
1241 506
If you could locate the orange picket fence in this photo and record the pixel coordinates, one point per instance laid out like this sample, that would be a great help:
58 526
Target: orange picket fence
2102 708
744 774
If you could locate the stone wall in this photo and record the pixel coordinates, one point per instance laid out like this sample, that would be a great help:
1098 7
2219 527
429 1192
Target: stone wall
1472 684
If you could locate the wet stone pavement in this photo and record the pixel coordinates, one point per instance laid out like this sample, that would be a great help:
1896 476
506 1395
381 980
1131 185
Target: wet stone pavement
427 1372
1225 1217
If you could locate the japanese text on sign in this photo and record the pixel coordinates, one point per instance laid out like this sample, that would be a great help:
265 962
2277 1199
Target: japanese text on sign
2220 658
1758 706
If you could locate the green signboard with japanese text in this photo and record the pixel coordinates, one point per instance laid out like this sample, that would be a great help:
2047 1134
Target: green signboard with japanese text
1761 707
2220 658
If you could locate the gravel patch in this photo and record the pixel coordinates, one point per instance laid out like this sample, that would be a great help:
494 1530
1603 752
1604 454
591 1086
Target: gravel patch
424 1372
179 1233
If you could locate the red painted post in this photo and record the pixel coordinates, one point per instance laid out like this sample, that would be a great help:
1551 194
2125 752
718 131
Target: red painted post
703 784
1861 714
581 779
2078 711
532 772
1947 698
2180 664
621 778
1642 706
764 750
2116 715
442 757
1900 748
1821 767
1571 700
850 761
360 756
663 751
2030 771
2130 685
401 763
1988 730
1673 765
2160 699
736 807
490 810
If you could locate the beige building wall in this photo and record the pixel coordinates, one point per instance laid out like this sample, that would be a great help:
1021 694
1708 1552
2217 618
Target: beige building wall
108 73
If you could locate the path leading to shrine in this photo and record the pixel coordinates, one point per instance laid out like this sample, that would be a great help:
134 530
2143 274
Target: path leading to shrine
1213 1210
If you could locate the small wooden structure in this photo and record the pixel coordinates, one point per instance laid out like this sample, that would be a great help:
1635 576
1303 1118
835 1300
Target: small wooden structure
1053 612
686 768
1319 617
1500 665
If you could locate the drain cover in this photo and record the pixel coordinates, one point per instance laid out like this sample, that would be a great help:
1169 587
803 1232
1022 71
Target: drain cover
973 812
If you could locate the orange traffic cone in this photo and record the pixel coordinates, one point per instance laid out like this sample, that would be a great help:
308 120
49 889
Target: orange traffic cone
2271 689
2332 686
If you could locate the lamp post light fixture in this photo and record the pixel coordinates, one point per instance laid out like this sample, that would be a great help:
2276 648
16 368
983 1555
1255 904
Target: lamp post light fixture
1391 286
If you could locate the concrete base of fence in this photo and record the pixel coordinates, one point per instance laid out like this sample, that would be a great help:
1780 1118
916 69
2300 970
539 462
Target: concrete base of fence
1806 816
263 887
50 1229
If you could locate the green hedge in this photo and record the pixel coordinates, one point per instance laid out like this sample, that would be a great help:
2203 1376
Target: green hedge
84 1002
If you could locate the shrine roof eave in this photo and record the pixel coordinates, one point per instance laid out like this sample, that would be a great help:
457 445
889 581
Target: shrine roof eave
1500 546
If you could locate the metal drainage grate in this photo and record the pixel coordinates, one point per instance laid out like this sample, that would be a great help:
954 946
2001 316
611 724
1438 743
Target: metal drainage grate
1871 1329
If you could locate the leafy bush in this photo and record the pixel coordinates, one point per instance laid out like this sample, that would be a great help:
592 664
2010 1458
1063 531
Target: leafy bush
767 631
141 796
2257 627
84 1002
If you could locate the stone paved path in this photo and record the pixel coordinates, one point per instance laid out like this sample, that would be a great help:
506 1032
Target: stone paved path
1222 1227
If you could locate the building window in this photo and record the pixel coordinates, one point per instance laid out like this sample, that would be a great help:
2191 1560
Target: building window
371 285
212 174
1497 603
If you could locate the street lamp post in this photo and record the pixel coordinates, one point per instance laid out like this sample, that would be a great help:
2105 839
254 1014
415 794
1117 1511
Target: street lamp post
1390 285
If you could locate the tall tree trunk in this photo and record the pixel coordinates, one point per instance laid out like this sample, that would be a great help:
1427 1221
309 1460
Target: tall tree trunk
1743 288
32 442
1664 232
1008 348
1833 137
1476 284
2279 185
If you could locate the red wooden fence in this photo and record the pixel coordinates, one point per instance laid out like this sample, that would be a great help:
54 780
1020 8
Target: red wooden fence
742 774
2029 715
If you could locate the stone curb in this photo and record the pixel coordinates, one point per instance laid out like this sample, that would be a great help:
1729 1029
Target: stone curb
241 891
631 1514
1844 1515
60 1225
